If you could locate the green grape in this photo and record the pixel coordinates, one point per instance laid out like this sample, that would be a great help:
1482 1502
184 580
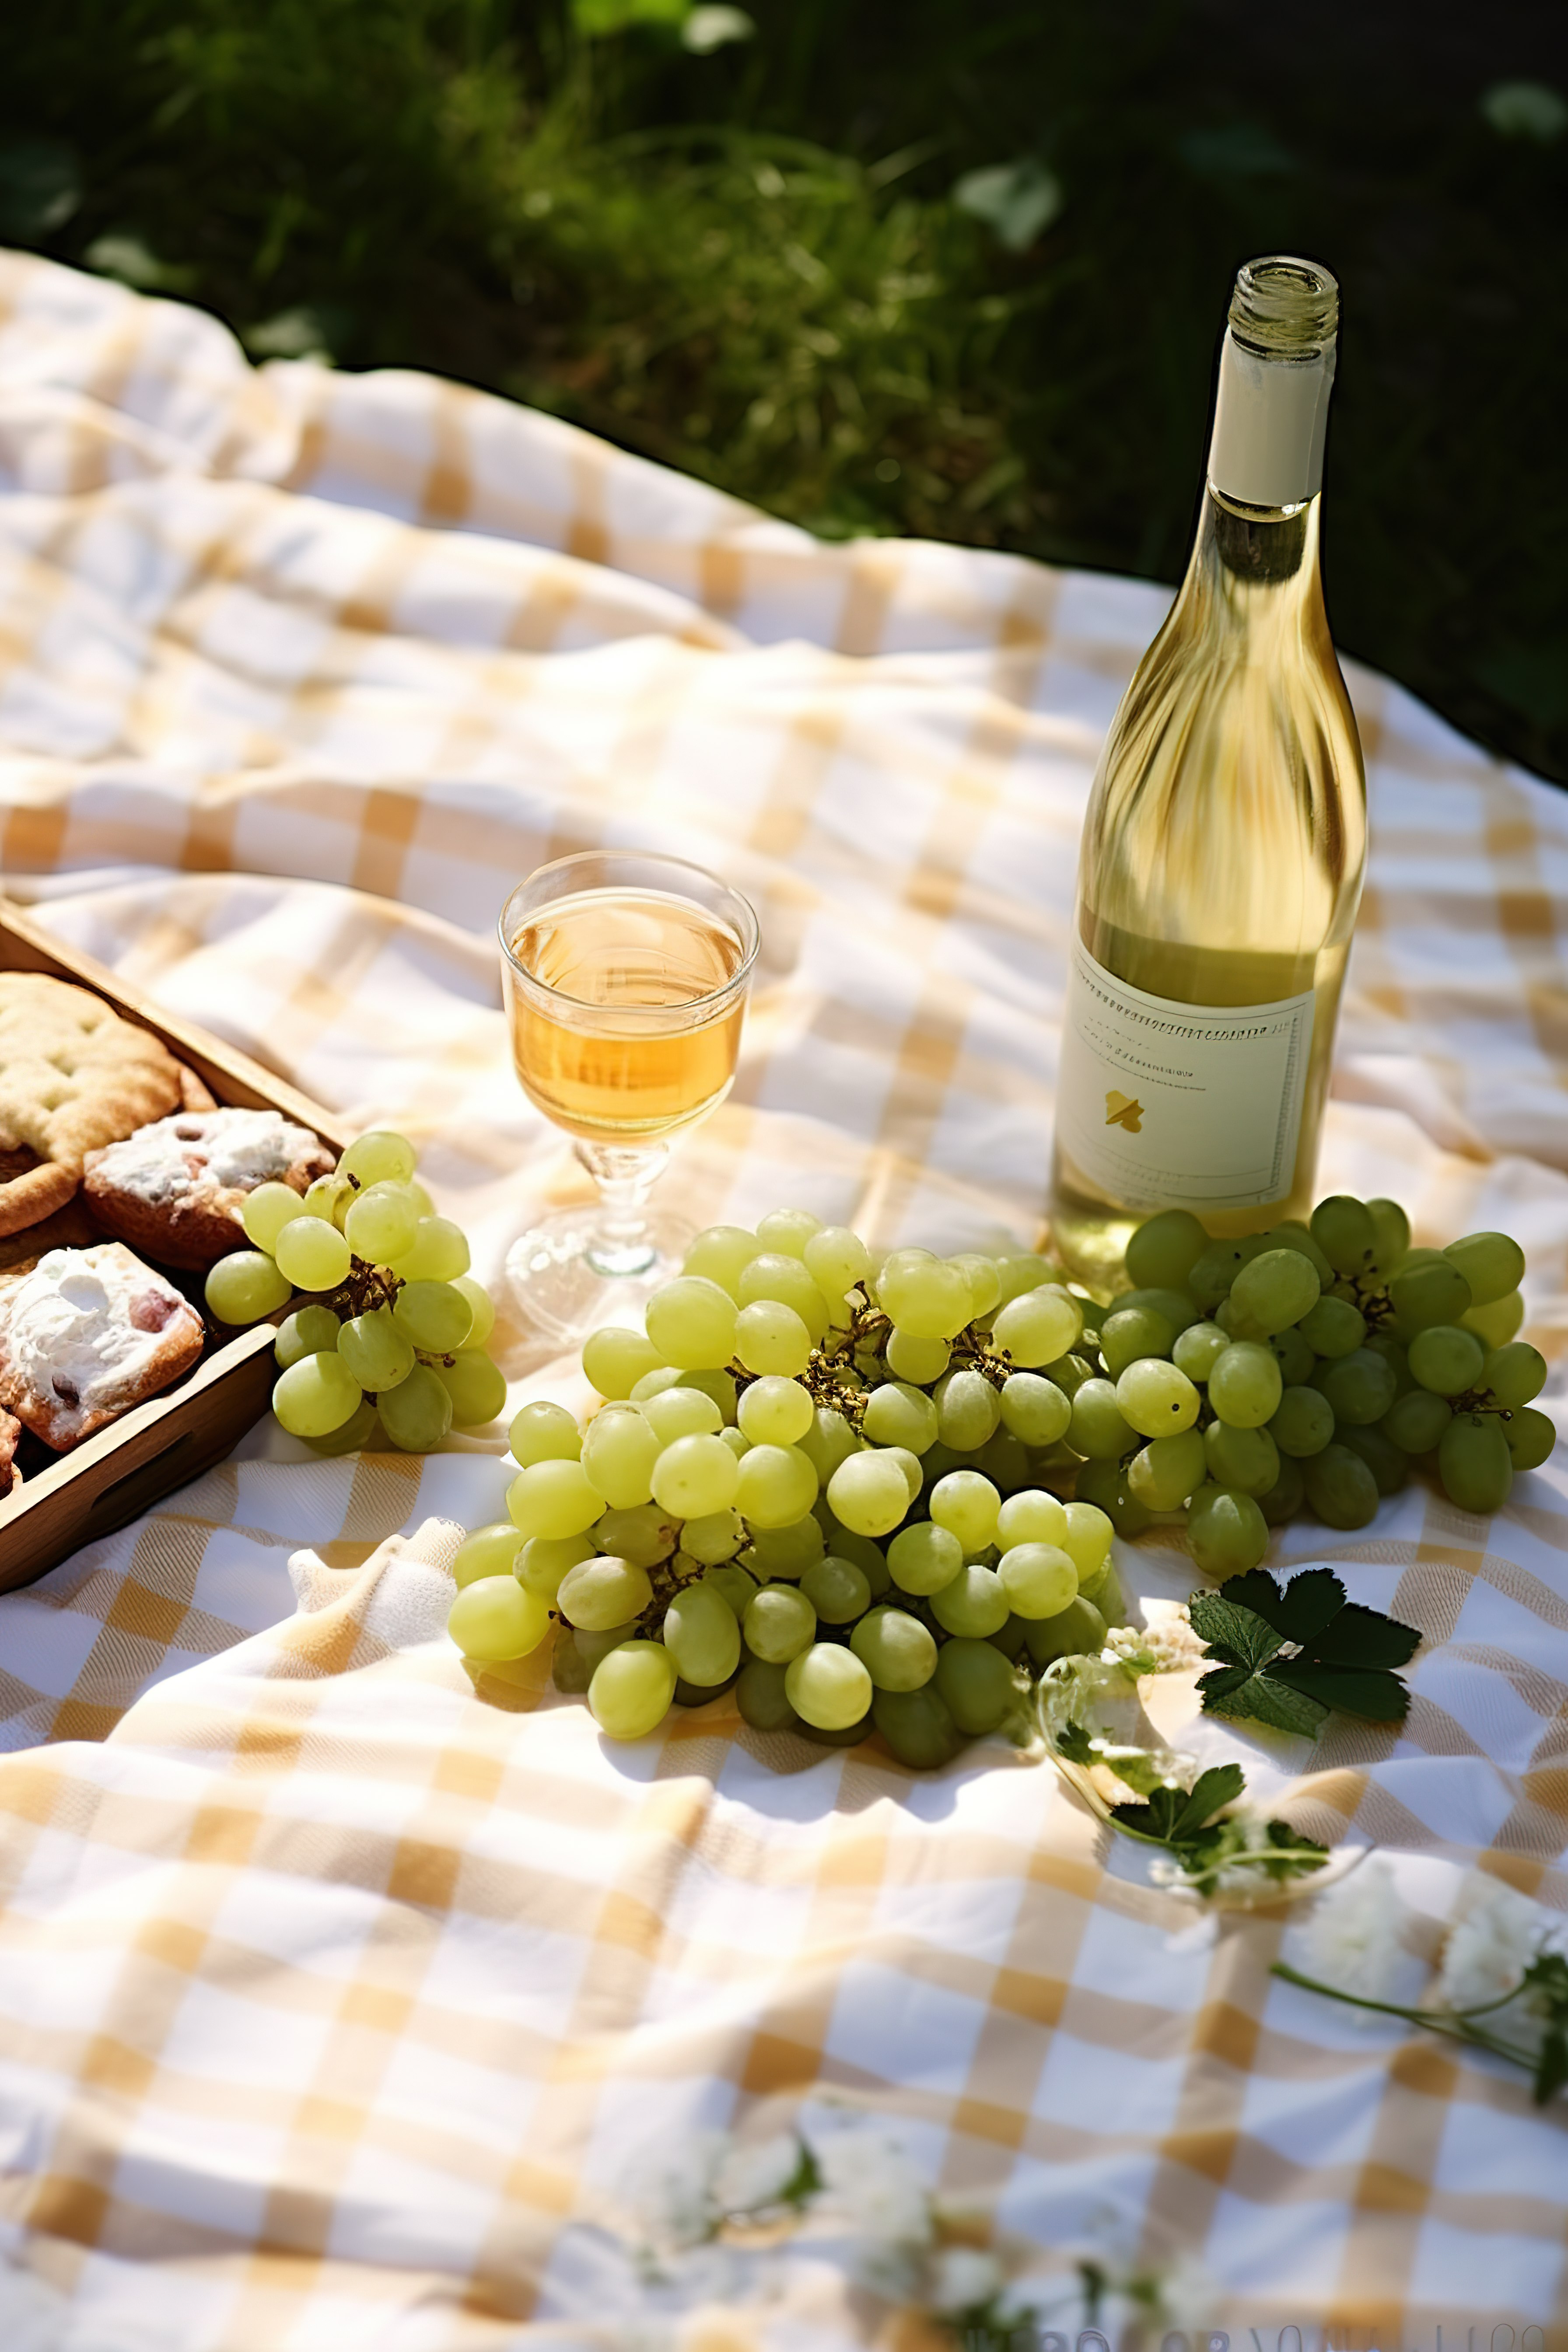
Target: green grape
1245 1385
1530 1437
836 1260
1009 1640
721 1254
308 1331
602 1591
1068 1373
438 1252
778 1486
551 1498
476 1385
265 1211
644 1534
315 1396
663 1378
379 1156
913 1359
737 1441
489 1552
1514 1375
869 1493
977 1684
543 1561
1078 1632
719 1386
1299 1238
1098 1428
967 1506
1176 1308
544 1432
243 1286
1360 1386
1303 1422
1132 1333
836 1590
593 1647
1389 1464
1037 1326
691 1322
435 1316
1004 1459
381 1225
788 1230
681 1411
918 1727
1385 1344
770 1336
1156 1398
761 1699
1497 1324
1104 1588
1294 1355
923 1558
495 1620
1168 1470
1087 1541
1415 1421
417 1414
1445 1359
570 1671
896 1650
774 1412
735 1586
1247 1460
775 1277
829 1686
1286 1496
313 1255
615 1359
1198 1348
1163 1251
375 1349
1276 1289
696 1476
828 1441
1491 1263
1474 1462
922 1294
1021 1270
631 1690
330 1197
789 1551
1339 1488
1344 1231
481 1310
1034 1409
620 1447
860 1551
1236 1323
702 1636
1391 1233
1216 1267
974 1603
1038 1579
351 1436
1106 1484
713 1538
969 1409
899 1414
1032 1516
984 1279
1430 1290
1227 1532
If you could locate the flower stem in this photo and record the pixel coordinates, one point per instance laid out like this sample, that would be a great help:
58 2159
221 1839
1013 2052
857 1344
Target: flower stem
1454 2023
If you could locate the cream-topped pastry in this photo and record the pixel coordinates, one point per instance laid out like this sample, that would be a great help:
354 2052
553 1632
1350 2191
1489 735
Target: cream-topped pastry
87 1334
176 1189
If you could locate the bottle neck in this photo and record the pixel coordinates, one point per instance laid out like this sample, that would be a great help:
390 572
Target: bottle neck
1270 418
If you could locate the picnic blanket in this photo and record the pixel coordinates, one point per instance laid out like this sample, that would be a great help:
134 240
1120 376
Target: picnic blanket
336 1999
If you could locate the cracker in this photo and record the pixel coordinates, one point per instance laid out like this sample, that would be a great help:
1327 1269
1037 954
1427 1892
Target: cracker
73 1077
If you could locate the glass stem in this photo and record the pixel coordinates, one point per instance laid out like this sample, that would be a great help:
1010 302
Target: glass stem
625 1174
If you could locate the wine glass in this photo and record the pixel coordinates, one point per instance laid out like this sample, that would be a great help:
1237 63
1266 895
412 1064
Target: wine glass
625 976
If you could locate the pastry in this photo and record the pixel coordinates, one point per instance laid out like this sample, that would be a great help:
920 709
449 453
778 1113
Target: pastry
10 1431
73 1077
176 1189
87 1334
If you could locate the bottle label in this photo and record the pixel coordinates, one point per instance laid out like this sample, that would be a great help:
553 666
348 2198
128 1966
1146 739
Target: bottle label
1162 1105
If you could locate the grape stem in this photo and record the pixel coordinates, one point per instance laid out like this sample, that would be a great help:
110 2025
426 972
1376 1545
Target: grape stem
867 1335
367 1289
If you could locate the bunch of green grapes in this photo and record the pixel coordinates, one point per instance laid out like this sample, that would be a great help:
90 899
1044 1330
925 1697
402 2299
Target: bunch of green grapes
813 1478
1306 1366
394 1328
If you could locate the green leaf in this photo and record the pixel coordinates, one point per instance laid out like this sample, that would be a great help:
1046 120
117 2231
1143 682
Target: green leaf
1262 1698
1239 1635
1552 2068
1073 1742
1344 1651
1370 1691
1361 1637
1220 1785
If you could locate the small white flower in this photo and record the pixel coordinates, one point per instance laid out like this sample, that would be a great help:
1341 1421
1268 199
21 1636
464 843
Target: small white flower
1166 1645
674 2191
870 2182
1352 1938
965 2279
751 2178
1488 1951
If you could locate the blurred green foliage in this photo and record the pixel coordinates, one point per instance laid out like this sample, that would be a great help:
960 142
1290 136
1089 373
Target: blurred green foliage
929 267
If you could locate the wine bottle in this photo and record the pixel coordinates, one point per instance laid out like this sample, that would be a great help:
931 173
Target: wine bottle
1222 849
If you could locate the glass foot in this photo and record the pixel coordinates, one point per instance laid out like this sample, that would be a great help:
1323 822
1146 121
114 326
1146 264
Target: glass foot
568 1277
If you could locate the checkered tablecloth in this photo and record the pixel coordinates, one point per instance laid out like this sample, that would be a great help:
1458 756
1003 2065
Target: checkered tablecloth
333 1993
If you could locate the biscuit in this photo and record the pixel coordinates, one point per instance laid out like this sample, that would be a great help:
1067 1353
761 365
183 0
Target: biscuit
73 1077
177 1190
87 1334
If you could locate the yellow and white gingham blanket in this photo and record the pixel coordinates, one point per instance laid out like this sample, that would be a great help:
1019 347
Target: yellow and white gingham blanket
330 1994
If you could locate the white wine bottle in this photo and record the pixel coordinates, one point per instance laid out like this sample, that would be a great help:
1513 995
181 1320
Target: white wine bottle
1223 845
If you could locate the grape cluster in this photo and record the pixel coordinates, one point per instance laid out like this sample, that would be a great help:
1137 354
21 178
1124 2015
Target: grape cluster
394 1326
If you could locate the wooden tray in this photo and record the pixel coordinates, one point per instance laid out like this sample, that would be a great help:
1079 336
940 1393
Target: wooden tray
113 1477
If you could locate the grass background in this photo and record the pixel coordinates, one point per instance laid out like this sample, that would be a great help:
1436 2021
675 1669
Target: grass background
955 267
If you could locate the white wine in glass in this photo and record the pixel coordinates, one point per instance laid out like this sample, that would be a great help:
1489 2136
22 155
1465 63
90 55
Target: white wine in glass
626 979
